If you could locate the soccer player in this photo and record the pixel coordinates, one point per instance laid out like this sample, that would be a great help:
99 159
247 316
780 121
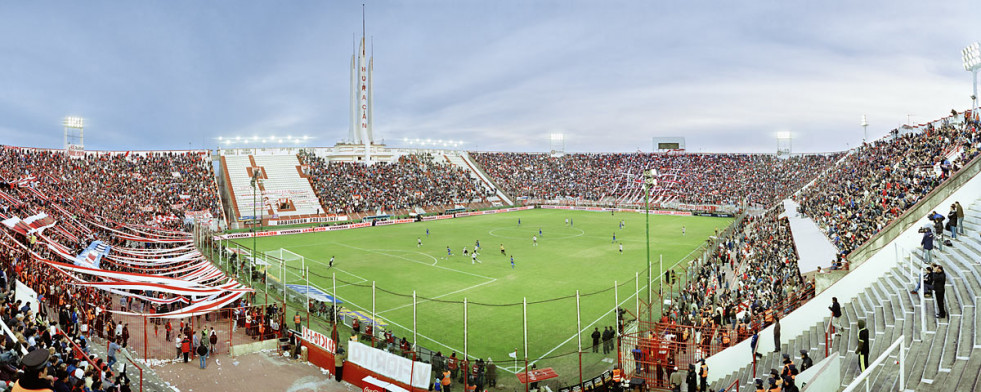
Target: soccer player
534 240
621 248
519 221
448 251
331 263
427 232
502 249
476 247
540 232
512 261
683 229
566 221
614 238
473 258
418 242
464 250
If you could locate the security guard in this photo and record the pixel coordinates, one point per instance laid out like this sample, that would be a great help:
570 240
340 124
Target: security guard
805 361
35 376
703 373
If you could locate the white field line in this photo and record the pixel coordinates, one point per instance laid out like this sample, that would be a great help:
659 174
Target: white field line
416 261
341 270
440 296
586 328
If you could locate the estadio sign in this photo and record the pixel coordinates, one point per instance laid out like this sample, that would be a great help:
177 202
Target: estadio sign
390 365
319 339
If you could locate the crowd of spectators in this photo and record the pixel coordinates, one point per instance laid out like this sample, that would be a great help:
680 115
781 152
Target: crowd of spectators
881 180
416 180
133 188
748 279
724 179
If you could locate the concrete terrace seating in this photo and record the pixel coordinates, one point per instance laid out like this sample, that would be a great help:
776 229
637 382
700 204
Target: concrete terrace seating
283 181
942 359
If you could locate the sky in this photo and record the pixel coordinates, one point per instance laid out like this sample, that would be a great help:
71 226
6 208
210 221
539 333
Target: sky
498 75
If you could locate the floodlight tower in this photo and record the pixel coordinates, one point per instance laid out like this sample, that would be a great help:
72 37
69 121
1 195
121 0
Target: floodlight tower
74 131
972 62
784 144
865 127
556 144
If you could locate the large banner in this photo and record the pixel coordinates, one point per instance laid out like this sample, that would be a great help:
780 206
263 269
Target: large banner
319 339
26 296
390 365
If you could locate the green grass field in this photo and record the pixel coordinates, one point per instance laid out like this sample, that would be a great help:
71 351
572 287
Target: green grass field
581 256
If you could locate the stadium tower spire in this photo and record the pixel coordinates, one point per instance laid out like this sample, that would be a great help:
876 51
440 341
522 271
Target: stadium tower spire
362 97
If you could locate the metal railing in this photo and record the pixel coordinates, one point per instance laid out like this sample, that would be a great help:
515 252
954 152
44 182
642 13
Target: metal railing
901 343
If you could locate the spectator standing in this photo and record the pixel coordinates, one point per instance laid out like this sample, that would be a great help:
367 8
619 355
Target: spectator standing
960 217
939 280
111 352
952 221
776 334
596 339
927 244
186 348
203 354
835 315
863 346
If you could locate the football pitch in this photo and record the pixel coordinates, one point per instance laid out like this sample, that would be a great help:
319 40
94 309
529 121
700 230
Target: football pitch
580 255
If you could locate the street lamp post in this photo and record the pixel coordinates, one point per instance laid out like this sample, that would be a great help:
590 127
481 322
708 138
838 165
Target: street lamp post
972 62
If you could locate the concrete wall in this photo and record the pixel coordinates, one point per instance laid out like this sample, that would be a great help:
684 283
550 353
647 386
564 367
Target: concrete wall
825 376
870 262
254 347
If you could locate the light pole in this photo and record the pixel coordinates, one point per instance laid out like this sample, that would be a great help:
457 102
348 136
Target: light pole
255 230
972 62
865 127
650 180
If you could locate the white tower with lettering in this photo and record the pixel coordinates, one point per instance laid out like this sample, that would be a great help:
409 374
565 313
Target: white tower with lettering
361 98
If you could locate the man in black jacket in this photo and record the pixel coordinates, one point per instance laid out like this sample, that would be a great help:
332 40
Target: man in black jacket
939 280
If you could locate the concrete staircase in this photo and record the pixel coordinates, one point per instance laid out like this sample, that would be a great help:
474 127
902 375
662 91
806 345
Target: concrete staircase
945 358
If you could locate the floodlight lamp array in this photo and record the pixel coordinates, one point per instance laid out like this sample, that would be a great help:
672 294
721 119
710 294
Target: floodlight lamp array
972 57
254 140
433 142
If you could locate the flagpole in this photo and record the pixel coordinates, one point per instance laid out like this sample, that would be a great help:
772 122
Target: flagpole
307 272
524 319
616 316
579 335
414 315
373 326
637 294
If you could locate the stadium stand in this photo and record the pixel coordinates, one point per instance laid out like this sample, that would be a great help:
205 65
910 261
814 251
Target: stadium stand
881 180
288 194
414 181
854 201
756 180
162 186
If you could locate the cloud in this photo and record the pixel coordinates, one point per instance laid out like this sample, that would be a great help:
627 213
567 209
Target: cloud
499 75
